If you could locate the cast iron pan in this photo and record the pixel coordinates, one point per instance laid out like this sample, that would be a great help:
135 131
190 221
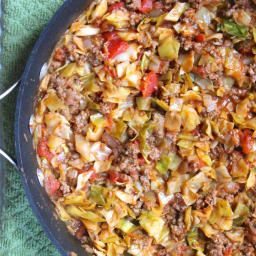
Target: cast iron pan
26 157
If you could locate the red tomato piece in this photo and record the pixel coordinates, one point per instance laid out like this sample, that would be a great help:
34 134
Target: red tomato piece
146 6
116 47
150 84
246 141
200 38
227 251
51 185
43 149
115 44
116 6
116 177
110 36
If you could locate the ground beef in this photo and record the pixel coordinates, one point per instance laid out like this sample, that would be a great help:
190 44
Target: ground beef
106 107
178 203
137 208
178 230
252 72
200 202
55 65
169 214
64 187
133 148
217 245
245 47
95 57
145 181
72 97
133 171
79 59
247 248
113 143
81 122
155 153
211 198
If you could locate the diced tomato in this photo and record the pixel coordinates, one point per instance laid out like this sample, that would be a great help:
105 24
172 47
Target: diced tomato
200 38
43 149
149 85
246 141
116 6
116 177
146 6
60 55
51 185
110 35
227 251
115 44
200 71
116 47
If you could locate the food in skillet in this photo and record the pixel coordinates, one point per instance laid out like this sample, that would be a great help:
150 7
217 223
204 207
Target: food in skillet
145 128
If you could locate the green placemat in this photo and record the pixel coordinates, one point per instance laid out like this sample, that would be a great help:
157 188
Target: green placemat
22 22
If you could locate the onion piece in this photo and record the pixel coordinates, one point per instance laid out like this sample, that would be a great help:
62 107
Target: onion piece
32 124
83 179
204 16
100 151
40 176
43 71
164 199
209 103
88 30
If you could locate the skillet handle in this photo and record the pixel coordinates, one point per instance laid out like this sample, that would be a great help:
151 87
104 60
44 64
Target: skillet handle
8 91
8 158
2 153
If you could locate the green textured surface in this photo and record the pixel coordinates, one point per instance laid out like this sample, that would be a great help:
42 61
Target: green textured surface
22 22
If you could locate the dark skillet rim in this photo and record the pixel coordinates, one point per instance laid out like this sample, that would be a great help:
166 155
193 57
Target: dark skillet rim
18 114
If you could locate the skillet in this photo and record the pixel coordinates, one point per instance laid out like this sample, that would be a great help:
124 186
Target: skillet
26 156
